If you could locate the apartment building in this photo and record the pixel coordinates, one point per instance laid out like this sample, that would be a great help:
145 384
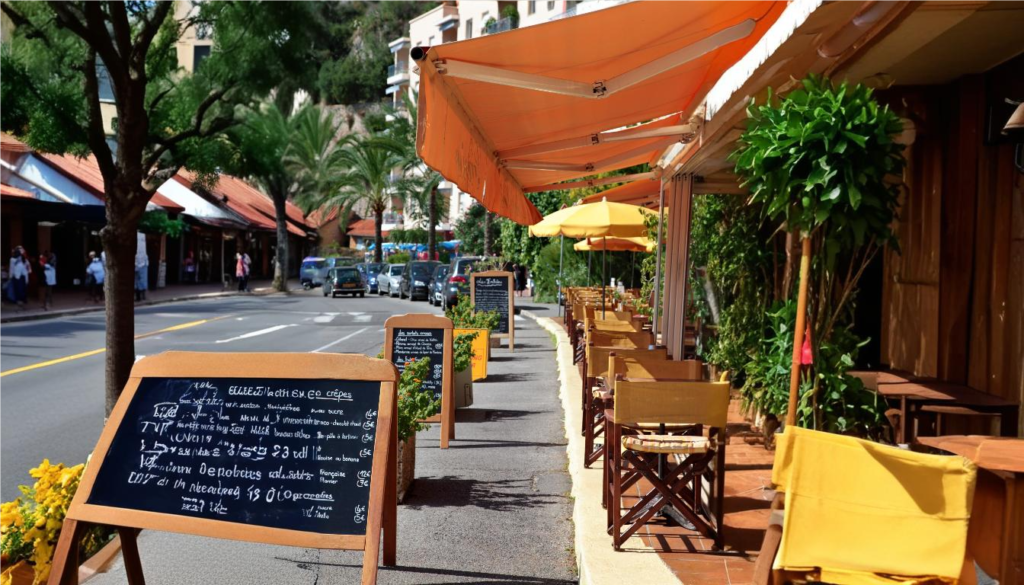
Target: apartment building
463 20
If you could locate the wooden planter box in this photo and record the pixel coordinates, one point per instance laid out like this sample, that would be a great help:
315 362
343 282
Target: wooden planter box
464 388
406 466
23 573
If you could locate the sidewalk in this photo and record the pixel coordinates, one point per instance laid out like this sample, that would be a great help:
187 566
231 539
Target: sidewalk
680 555
493 508
76 301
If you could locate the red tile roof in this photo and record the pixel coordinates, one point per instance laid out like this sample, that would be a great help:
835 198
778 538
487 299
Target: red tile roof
318 218
9 143
9 191
364 228
86 172
249 202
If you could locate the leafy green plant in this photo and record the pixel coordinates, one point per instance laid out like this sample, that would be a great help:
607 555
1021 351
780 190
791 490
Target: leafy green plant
464 317
510 11
157 222
767 371
414 403
463 350
399 258
649 270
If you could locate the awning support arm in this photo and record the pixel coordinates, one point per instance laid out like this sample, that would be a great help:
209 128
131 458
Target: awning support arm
591 167
650 176
598 88
680 131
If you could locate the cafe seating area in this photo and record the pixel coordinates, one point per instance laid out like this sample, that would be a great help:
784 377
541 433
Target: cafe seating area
685 474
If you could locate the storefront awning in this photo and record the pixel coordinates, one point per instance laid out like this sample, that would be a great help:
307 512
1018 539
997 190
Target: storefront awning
508 113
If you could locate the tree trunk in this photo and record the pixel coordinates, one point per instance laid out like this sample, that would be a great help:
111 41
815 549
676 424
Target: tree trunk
119 243
378 236
432 219
487 233
281 257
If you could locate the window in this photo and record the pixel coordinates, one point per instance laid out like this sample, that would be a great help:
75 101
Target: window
199 53
551 5
531 7
430 41
469 28
106 89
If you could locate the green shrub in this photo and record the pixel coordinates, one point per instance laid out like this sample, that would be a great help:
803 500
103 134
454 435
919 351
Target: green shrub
463 350
464 317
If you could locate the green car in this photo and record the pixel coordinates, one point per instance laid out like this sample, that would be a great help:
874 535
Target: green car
344 281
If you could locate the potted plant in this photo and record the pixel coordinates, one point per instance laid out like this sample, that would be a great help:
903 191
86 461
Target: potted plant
414 405
463 367
465 320
30 526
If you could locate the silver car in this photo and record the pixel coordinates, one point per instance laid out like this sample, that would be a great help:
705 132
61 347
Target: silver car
389 281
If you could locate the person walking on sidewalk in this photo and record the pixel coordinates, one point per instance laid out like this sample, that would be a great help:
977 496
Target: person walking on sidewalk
241 273
141 275
19 270
190 268
94 275
47 262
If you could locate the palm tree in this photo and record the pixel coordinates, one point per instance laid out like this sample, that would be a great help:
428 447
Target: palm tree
263 141
364 168
314 158
421 189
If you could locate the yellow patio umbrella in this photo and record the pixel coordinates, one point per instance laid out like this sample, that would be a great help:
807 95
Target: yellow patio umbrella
596 220
632 245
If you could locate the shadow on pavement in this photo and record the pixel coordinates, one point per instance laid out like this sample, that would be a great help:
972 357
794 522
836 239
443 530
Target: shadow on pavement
507 495
484 577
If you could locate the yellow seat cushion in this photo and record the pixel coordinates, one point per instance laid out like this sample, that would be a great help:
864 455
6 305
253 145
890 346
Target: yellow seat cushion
681 444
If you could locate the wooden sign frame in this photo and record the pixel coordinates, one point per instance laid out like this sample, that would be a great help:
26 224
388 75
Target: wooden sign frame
426 321
511 335
382 511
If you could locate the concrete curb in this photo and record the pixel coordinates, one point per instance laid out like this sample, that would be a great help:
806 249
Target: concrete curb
101 308
598 563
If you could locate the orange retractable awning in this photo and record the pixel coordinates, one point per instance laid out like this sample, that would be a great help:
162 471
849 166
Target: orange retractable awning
505 113
636 193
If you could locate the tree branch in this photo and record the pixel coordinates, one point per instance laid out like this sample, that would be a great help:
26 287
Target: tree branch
118 17
94 33
23 23
148 33
94 135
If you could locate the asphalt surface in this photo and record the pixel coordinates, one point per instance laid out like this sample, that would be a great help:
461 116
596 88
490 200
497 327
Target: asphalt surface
494 508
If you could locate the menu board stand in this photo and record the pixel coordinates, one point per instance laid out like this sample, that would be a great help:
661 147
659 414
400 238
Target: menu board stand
492 290
416 336
347 375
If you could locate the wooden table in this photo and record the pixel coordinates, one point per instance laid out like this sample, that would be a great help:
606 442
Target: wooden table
915 394
995 537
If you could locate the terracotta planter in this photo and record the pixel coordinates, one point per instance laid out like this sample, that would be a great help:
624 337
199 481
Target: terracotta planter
23 573
464 388
406 466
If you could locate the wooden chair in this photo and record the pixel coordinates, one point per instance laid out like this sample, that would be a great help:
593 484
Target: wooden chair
701 458
593 407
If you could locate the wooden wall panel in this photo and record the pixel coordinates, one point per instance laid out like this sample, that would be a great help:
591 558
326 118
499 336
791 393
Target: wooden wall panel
1013 340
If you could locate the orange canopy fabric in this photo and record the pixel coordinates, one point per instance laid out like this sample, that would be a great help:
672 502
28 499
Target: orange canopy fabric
635 193
464 124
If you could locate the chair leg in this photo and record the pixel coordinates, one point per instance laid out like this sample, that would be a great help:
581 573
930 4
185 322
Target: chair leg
615 503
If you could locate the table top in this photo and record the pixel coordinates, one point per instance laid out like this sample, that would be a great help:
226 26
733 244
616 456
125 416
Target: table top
992 453
942 392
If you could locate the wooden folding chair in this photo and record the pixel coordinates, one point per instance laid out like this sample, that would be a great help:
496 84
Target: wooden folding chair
701 458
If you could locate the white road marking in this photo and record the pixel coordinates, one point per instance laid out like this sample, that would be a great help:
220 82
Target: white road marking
257 333
356 313
239 318
363 318
333 343
323 319
381 330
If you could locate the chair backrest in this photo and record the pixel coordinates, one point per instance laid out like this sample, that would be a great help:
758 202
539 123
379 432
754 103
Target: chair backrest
686 403
857 508
610 325
597 357
619 338
633 367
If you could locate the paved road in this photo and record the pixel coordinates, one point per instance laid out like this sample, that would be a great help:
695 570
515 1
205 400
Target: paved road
494 508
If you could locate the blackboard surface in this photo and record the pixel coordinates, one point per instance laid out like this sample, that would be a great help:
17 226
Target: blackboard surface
290 454
410 344
491 294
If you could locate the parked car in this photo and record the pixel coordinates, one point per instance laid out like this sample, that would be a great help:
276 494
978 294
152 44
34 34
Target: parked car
313 272
388 280
458 279
346 280
370 270
416 279
435 287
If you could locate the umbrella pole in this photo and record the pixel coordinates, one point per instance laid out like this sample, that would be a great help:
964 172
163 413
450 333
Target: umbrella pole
604 276
657 263
798 333
589 257
558 293
632 269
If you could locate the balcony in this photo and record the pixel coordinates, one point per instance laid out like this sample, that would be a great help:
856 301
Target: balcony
505 24
398 73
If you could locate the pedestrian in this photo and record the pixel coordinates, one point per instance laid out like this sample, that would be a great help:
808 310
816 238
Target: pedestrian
241 272
520 273
190 267
94 275
141 275
248 269
19 270
48 264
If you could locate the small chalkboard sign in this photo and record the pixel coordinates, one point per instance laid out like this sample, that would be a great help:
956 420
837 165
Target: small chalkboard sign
492 291
291 449
419 336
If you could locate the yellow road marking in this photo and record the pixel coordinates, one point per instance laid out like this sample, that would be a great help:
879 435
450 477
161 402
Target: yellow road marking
96 351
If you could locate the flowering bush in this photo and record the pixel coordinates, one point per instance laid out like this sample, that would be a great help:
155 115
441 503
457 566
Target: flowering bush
30 525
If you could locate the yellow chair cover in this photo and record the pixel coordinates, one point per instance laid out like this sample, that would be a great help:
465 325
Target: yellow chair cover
859 512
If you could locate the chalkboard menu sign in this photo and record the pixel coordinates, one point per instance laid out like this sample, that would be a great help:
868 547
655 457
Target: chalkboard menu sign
418 336
292 449
410 344
290 454
492 291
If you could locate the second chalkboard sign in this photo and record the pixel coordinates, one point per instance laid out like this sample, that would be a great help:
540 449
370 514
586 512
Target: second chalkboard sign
492 291
419 336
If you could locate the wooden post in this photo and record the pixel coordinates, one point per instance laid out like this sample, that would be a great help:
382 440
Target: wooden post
130 553
798 334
